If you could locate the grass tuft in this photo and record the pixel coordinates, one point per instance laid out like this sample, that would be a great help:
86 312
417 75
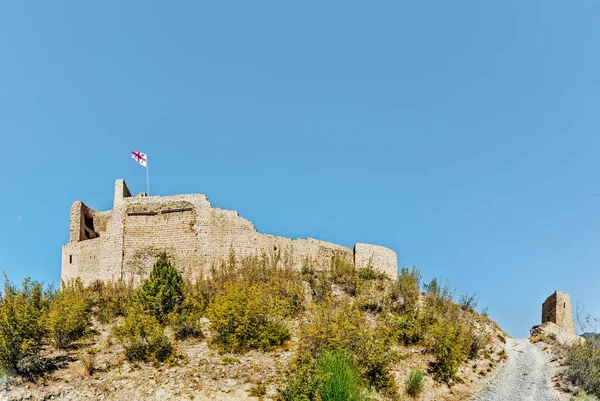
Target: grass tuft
414 383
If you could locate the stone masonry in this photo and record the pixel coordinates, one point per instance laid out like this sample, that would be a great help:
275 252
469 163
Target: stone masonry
123 243
557 309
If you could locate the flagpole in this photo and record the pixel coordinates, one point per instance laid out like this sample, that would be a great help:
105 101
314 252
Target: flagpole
147 181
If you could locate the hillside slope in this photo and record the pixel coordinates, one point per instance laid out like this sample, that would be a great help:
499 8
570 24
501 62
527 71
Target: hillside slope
257 330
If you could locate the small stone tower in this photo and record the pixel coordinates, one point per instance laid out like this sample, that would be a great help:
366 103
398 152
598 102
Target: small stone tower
557 309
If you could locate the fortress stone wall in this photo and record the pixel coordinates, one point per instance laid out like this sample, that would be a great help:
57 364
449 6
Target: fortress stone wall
557 309
123 243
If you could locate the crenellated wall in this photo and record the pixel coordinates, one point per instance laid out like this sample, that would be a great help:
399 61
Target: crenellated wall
123 243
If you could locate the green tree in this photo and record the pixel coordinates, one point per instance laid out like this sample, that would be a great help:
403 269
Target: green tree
163 291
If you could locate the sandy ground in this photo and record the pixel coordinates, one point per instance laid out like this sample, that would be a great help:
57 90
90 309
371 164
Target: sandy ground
527 376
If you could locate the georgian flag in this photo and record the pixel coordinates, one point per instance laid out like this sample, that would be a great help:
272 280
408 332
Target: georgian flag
140 157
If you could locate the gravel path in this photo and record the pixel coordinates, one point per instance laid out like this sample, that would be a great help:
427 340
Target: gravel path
527 376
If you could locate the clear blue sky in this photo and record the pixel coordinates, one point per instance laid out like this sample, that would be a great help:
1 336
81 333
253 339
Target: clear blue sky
396 123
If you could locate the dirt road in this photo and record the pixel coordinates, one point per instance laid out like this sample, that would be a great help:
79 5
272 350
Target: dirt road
527 376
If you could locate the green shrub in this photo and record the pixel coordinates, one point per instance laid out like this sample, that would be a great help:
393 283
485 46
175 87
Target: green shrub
439 297
319 283
143 337
369 273
583 365
373 296
247 302
476 343
34 366
344 274
414 383
339 378
339 326
302 379
23 312
286 285
584 397
329 328
406 289
449 332
405 328
230 360
187 318
449 345
246 317
162 292
69 315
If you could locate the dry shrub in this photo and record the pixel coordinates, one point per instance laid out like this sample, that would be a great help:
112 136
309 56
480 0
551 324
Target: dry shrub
374 295
110 299
536 339
319 283
88 365
284 282
258 390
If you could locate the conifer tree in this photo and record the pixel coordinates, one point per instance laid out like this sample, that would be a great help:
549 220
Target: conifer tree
162 292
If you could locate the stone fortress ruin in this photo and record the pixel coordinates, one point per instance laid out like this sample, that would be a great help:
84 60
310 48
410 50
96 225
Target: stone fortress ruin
123 243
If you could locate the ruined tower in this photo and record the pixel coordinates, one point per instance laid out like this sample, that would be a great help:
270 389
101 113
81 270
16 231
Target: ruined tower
557 309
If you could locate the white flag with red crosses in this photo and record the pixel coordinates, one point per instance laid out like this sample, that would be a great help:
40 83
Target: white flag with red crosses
140 158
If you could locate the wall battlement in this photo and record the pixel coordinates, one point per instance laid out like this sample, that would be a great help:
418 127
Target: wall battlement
123 243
